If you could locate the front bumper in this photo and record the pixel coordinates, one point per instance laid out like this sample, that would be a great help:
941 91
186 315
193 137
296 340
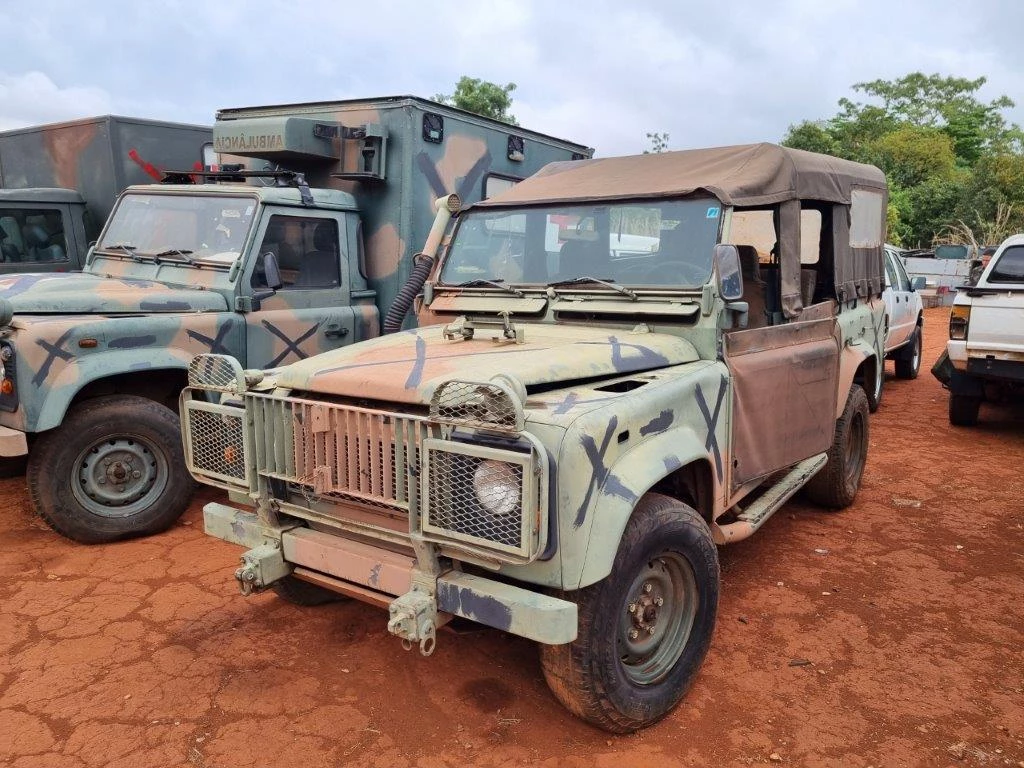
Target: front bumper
12 443
376 575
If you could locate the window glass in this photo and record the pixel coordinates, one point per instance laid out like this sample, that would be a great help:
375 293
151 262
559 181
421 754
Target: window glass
865 218
667 244
810 236
890 273
1010 266
902 280
203 227
30 235
494 185
306 249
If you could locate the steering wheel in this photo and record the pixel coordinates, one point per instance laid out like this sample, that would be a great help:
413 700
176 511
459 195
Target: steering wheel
676 272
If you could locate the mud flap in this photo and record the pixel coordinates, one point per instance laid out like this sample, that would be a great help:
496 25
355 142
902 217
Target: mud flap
943 369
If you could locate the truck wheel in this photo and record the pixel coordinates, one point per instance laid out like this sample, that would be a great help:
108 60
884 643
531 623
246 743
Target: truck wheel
963 410
299 592
114 469
836 483
645 629
909 361
873 388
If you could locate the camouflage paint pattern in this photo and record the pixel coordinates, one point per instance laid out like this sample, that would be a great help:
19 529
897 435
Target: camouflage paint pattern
98 156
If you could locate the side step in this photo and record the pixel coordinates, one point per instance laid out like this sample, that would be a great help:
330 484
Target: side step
754 516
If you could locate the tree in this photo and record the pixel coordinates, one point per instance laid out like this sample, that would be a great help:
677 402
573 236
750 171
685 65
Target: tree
950 157
659 143
482 98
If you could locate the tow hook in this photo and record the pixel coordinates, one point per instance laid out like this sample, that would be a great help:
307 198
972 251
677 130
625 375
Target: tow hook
414 619
261 567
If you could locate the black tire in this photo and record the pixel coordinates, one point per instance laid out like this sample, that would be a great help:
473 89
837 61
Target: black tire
908 362
963 410
874 382
836 484
12 466
299 592
113 470
622 682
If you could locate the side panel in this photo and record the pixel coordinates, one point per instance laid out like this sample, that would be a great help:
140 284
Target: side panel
785 379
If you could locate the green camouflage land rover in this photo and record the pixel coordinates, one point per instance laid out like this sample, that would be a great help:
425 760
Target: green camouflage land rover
621 363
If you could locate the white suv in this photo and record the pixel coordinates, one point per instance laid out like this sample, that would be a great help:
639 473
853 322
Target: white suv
986 337
903 307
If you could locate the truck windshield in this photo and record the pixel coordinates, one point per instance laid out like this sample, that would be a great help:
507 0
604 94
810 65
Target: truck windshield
666 243
187 228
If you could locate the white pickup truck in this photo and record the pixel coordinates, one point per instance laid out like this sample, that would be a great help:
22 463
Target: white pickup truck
985 351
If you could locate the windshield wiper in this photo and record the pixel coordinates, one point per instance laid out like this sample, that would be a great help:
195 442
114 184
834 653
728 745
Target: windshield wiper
588 279
183 252
479 281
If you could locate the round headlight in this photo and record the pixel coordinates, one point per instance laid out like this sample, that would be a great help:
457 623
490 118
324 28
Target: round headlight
496 487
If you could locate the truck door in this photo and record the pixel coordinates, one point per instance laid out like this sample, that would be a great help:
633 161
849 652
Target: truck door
898 302
37 238
784 395
311 313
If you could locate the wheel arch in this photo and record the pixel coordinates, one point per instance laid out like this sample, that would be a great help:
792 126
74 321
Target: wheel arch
856 364
156 375
675 463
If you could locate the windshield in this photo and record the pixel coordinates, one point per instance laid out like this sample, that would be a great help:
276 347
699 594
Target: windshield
663 244
202 227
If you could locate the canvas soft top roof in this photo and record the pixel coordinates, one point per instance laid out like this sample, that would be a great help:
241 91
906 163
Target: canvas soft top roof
745 175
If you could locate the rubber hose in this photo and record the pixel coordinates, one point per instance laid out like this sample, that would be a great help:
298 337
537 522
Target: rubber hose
422 264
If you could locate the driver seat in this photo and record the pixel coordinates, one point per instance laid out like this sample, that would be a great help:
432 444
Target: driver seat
582 257
754 287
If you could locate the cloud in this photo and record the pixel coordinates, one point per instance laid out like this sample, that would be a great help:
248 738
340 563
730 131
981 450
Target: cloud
31 98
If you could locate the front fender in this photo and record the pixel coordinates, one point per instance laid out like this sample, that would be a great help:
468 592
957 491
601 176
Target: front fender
49 412
629 478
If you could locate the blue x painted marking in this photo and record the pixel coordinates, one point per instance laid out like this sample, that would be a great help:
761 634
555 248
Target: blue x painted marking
53 351
711 419
291 347
216 345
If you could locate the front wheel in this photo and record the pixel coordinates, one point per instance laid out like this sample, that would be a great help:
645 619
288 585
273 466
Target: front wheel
909 361
114 469
836 484
645 629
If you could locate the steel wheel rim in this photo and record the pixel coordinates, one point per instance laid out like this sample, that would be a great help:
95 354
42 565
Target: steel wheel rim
879 375
852 455
651 636
120 476
916 360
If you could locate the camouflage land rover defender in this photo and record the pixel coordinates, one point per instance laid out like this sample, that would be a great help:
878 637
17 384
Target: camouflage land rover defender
621 363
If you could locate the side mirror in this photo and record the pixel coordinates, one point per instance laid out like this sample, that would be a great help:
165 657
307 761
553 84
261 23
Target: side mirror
727 269
918 283
271 271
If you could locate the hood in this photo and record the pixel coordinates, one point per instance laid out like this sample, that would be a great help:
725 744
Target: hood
407 367
81 293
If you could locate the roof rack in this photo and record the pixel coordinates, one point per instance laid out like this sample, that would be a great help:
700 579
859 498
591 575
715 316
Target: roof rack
282 178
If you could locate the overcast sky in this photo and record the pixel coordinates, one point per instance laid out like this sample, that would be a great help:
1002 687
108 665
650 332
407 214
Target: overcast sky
600 73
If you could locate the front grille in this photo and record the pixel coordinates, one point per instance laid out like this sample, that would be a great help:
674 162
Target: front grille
327 450
481 496
215 442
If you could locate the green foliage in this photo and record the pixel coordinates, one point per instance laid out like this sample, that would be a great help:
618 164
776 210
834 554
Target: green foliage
482 98
950 158
659 143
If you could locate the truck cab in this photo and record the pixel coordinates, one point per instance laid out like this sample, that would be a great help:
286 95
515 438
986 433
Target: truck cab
621 363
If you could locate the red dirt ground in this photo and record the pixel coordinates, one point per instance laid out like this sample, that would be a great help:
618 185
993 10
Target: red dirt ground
909 608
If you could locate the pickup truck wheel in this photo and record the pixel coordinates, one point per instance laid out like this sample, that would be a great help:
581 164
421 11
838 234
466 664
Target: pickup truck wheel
908 363
645 629
114 469
836 484
873 388
963 410
299 592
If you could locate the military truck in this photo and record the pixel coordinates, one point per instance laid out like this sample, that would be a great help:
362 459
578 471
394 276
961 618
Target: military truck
58 182
620 363
301 258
